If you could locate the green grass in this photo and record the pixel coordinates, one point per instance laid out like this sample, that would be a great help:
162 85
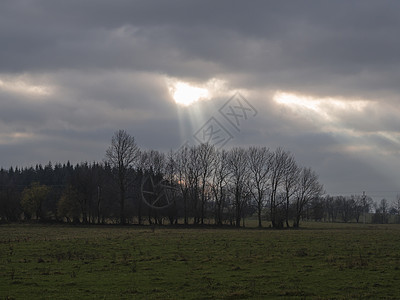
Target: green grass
321 261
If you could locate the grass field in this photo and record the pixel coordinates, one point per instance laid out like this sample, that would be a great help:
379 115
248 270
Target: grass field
320 261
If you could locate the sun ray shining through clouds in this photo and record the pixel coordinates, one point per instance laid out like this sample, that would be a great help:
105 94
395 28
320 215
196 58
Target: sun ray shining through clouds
193 102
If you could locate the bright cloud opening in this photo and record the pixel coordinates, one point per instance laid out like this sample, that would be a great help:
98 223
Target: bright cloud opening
20 86
333 114
15 137
186 94
296 100
327 108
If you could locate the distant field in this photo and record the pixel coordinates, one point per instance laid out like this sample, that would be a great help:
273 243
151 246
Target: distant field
320 261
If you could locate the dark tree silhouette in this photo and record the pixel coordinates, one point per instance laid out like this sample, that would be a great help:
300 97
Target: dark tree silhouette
122 156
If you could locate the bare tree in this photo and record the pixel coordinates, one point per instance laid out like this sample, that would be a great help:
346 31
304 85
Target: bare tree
358 206
381 212
308 189
330 208
122 156
219 183
397 208
345 208
259 167
152 162
366 203
194 179
171 177
170 168
276 178
182 165
290 179
206 160
238 165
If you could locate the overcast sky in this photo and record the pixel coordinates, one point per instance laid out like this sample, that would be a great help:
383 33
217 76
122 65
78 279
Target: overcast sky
319 78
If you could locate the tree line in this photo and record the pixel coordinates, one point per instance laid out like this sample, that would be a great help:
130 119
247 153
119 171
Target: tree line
203 185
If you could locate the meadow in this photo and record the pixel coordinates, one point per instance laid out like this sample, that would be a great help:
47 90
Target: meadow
319 261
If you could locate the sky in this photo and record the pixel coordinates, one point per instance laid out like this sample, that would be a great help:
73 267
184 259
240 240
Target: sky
318 78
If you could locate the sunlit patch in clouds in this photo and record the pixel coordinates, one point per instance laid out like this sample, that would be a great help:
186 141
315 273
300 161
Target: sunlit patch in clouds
342 118
292 100
186 93
15 137
329 109
24 87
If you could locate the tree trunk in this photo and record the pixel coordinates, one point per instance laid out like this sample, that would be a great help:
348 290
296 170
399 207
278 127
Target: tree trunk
185 209
238 218
202 212
238 209
122 203
287 212
140 212
259 215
